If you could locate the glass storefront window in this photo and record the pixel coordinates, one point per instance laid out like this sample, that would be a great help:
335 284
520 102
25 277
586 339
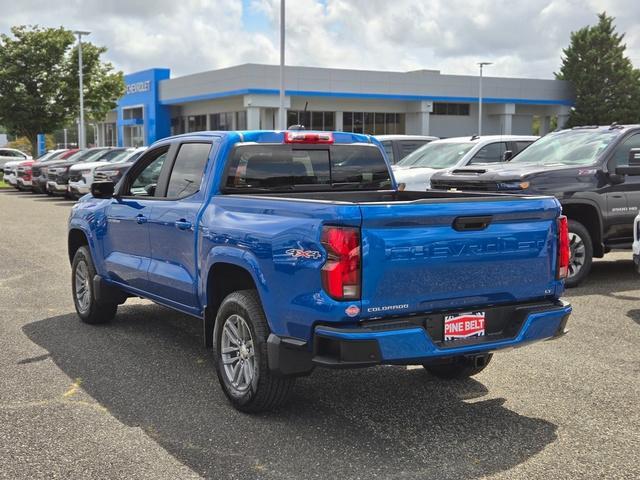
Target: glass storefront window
222 121
131 113
311 120
177 125
460 109
110 136
196 123
373 123
241 120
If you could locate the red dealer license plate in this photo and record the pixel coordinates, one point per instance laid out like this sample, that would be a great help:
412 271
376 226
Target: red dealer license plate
463 325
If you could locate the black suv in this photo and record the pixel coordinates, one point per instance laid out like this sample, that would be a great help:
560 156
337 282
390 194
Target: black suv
580 168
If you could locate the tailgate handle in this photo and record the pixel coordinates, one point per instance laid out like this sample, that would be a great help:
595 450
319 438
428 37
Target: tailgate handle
464 224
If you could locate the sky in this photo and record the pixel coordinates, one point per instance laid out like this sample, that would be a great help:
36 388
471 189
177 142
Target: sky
523 38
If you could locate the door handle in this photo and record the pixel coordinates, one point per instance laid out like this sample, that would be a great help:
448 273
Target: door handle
183 224
462 224
140 219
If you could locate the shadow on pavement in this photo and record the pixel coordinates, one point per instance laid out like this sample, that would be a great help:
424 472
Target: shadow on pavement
607 277
149 369
634 315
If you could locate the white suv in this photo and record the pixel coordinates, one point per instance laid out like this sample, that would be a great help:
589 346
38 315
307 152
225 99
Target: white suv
81 174
416 169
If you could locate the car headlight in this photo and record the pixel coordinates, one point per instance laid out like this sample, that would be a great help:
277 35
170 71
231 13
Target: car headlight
513 186
109 173
85 172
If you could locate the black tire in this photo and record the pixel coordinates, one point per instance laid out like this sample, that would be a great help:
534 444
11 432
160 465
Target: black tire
577 229
264 391
462 367
90 312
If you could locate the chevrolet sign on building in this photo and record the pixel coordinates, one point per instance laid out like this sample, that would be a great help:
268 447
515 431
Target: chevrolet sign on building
423 102
137 87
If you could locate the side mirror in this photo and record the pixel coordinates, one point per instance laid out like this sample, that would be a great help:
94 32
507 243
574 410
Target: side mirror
150 189
507 155
634 164
102 189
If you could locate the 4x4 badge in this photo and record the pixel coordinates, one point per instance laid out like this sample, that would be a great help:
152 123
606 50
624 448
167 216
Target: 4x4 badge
299 253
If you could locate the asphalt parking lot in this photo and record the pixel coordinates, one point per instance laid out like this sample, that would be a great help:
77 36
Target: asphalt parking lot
138 398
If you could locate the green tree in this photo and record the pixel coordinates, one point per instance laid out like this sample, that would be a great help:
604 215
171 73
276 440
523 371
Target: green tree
39 81
606 84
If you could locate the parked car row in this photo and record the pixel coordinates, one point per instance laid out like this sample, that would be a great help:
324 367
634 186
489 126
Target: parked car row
416 168
68 172
591 170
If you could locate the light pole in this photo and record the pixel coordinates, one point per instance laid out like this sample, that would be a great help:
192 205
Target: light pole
482 64
282 121
82 141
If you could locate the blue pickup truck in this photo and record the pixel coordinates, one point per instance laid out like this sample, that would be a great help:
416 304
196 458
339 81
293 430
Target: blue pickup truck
297 250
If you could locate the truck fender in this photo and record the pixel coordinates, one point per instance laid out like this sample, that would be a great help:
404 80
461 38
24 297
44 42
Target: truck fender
82 226
230 256
575 210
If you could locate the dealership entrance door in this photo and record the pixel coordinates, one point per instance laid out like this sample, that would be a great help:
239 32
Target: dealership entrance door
133 126
133 136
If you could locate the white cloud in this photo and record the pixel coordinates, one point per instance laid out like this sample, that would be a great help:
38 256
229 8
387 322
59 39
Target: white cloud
521 38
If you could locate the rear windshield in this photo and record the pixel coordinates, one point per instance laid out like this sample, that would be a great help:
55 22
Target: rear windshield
285 167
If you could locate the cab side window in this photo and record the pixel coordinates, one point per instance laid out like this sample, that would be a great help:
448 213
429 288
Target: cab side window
621 154
188 169
491 153
144 181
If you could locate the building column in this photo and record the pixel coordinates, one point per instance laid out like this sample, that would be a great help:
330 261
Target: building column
266 119
424 123
339 126
545 125
562 120
506 123
417 118
253 118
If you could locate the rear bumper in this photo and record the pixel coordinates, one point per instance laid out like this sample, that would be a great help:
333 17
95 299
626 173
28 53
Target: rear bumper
408 342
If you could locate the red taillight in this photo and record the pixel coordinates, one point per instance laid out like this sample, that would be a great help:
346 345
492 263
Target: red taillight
308 137
341 271
563 247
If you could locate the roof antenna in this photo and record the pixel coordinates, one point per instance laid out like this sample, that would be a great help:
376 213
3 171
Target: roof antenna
299 126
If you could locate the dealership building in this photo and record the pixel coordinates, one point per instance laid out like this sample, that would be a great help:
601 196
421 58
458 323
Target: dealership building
376 102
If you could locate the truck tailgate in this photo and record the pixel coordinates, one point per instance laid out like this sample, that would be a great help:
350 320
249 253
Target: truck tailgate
425 255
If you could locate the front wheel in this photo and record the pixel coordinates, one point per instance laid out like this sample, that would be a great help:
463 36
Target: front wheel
240 352
581 254
84 299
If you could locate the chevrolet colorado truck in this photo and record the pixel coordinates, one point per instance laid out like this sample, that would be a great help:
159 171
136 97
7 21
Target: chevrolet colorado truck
296 250
585 169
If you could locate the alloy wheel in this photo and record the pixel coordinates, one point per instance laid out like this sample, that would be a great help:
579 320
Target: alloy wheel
577 254
238 354
83 290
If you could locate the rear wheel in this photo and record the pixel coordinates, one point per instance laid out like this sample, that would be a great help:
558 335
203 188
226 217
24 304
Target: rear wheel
87 307
240 350
462 367
581 254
